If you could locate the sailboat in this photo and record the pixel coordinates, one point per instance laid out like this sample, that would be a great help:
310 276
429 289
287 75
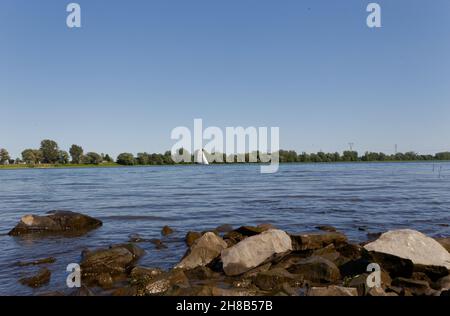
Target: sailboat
201 158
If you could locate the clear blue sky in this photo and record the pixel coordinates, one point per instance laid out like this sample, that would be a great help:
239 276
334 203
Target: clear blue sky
137 69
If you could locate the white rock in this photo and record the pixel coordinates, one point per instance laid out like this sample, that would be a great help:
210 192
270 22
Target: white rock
412 245
203 251
252 251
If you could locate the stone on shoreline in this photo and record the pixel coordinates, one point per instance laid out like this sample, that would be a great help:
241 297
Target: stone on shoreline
204 250
56 222
315 241
191 237
316 269
37 280
412 245
254 250
98 264
332 291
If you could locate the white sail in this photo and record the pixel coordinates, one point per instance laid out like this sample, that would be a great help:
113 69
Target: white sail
201 158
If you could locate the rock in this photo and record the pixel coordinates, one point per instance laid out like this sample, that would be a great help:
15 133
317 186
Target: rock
434 273
317 241
36 262
327 228
412 245
82 291
249 231
442 283
105 280
201 273
378 291
37 280
445 242
329 253
166 230
360 283
316 269
166 281
191 237
274 279
445 293
253 251
144 274
396 266
126 291
203 251
158 244
417 287
332 291
265 226
113 261
56 222
225 228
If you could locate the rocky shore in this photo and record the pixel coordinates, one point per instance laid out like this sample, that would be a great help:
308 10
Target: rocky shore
253 261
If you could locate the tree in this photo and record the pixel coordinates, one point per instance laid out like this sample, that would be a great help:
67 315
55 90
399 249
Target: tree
350 156
50 151
92 158
77 153
31 156
4 156
126 159
108 158
63 157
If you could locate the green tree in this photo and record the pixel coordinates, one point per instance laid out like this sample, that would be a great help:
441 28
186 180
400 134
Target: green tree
77 153
443 156
350 156
63 157
4 156
126 159
108 158
50 151
92 158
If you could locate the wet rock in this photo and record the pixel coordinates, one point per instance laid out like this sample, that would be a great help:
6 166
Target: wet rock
412 245
166 230
317 241
136 238
143 273
254 250
249 231
329 252
332 291
416 287
165 282
233 237
316 269
327 228
191 237
56 222
378 291
48 260
445 242
39 279
274 279
203 251
117 259
158 244
105 280
265 226
225 228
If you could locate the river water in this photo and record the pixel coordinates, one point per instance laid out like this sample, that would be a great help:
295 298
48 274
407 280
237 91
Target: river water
355 198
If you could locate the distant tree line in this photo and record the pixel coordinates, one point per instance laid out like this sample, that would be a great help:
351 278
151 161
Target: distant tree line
50 153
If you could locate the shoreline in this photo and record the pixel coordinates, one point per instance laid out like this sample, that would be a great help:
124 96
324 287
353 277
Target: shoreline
116 165
247 261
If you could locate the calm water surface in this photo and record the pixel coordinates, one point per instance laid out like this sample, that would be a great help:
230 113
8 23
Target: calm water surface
351 197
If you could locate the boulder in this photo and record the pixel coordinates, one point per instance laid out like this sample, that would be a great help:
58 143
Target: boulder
316 269
225 228
275 278
165 282
445 242
191 237
253 251
56 222
412 245
315 241
117 259
416 287
203 251
332 291
36 262
39 279
442 283
327 228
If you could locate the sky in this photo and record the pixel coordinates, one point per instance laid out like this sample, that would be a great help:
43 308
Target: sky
135 70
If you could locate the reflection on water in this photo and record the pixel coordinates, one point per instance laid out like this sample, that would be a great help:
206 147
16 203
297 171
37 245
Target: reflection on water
355 198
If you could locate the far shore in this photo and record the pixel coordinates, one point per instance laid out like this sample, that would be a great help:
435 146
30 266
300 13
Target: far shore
116 165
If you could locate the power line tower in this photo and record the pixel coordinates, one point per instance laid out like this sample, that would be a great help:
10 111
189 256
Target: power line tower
351 146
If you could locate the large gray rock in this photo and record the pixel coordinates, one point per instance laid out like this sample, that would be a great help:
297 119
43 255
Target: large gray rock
204 250
56 222
412 245
253 251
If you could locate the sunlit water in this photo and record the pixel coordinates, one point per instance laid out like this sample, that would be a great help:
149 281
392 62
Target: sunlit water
355 198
